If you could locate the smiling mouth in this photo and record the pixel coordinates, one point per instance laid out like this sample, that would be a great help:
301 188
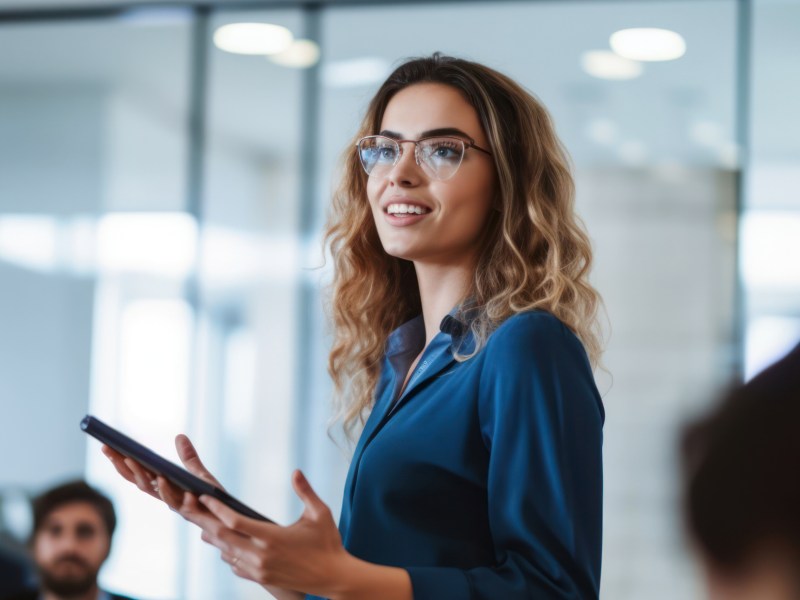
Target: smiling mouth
402 210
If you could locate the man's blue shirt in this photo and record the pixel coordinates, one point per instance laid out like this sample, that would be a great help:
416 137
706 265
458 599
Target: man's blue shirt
484 478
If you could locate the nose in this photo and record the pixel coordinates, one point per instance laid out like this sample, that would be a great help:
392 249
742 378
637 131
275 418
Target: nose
406 172
70 541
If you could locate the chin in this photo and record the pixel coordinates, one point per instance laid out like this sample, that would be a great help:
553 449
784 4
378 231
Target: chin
402 254
399 250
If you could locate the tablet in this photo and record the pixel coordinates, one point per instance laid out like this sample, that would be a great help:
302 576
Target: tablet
161 466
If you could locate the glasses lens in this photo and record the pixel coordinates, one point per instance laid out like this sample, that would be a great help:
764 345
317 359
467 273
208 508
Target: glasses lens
441 157
377 152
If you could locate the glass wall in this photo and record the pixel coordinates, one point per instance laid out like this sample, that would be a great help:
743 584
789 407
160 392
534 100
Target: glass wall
95 249
168 276
250 278
770 226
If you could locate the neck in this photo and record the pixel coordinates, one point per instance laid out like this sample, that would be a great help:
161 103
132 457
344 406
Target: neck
441 287
90 594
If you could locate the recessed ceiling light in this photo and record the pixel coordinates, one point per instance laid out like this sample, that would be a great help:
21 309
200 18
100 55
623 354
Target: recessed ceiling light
253 38
607 65
356 72
647 43
300 55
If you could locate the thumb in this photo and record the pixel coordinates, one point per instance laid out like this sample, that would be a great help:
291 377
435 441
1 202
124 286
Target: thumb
191 460
315 507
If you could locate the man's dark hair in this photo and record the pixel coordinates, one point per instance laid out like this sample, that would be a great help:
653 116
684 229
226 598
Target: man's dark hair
741 465
67 493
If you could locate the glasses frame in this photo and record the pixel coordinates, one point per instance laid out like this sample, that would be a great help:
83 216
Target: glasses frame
466 141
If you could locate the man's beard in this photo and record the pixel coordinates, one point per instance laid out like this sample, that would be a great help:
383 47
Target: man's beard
74 584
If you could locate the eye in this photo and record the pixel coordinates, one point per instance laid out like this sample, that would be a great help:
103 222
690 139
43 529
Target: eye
54 530
443 150
386 153
85 531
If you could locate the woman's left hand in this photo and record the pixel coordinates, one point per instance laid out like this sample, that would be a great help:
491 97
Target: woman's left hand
307 555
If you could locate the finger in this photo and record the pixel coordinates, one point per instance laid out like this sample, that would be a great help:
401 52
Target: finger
191 460
239 569
198 514
139 472
227 540
144 479
171 494
315 507
235 520
118 461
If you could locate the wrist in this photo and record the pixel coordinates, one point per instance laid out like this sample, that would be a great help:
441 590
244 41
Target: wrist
347 577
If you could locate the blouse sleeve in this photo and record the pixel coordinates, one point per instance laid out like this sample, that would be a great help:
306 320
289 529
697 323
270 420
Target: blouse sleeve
541 421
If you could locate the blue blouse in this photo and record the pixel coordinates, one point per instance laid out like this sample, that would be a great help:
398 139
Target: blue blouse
484 479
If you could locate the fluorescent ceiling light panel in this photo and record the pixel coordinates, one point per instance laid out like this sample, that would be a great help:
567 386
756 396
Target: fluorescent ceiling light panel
253 38
300 55
355 72
604 64
648 44
770 245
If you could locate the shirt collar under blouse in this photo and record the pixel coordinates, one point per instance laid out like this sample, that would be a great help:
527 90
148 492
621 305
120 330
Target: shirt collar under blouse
408 340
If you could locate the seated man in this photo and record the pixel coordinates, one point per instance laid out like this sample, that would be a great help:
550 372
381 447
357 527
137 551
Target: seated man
72 528
742 491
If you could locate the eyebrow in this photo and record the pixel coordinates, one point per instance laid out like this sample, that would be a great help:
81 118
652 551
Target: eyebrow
430 133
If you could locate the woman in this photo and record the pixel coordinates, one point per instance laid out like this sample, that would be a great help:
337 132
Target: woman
465 329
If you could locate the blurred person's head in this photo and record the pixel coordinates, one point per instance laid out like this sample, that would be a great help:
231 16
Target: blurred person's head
71 539
742 489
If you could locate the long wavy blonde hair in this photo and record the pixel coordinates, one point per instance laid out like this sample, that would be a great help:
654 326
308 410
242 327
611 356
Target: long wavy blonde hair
535 253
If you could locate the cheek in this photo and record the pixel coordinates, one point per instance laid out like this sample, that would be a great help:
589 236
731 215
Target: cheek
42 549
374 188
98 551
469 207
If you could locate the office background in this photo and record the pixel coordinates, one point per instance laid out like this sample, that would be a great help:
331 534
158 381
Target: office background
161 203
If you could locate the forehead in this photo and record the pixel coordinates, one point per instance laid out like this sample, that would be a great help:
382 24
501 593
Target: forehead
74 513
426 106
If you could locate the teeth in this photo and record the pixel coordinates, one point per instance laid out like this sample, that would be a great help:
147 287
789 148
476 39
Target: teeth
406 209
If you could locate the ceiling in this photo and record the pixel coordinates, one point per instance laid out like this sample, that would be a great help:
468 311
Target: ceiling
681 112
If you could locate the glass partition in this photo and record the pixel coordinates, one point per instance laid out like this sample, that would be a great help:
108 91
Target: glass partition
95 249
770 227
250 276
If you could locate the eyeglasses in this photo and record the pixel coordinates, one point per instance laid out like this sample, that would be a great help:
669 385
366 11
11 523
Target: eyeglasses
439 157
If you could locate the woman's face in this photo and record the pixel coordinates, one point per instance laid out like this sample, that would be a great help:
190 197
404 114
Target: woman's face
455 210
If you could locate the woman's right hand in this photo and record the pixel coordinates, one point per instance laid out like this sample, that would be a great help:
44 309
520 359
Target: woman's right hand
178 500
158 487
